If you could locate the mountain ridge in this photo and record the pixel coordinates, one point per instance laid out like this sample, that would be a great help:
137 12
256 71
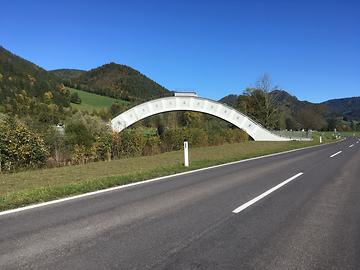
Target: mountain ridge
123 82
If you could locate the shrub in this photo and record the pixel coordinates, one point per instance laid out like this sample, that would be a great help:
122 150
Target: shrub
173 139
128 143
102 146
152 146
198 137
74 98
19 146
88 138
235 135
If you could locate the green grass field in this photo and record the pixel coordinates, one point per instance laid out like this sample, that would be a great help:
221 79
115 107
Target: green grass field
90 101
23 188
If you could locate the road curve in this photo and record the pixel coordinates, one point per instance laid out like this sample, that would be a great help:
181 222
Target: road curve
299 210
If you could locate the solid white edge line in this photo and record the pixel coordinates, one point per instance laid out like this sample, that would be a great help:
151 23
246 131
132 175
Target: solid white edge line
266 193
333 155
24 208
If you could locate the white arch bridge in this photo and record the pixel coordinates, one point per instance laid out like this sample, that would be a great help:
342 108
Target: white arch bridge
196 104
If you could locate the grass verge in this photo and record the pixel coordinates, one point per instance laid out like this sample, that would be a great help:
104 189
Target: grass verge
24 188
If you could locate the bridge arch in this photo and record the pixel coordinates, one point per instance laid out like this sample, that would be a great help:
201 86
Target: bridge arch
196 104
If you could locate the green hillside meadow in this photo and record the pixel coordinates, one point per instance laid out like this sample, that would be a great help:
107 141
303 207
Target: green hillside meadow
90 101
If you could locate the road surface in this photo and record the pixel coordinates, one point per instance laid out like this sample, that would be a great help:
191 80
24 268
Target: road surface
299 210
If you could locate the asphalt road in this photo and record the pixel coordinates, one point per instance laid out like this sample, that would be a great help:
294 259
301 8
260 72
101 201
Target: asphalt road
239 216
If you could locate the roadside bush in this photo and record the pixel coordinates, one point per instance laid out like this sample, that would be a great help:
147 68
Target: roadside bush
88 137
128 143
79 154
19 146
152 146
173 139
60 150
198 137
216 138
102 146
235 135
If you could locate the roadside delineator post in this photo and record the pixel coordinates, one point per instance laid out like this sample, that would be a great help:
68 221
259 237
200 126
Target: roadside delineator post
186 154
320 139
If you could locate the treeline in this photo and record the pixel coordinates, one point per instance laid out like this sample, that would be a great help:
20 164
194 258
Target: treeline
86 138
277 110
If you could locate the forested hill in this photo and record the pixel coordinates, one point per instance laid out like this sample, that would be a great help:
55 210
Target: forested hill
347 107
67 73
26 88
118 81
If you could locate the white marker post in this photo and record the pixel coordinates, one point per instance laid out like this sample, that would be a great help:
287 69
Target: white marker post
186 154
320 139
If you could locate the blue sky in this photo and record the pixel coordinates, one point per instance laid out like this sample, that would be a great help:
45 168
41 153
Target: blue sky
310 48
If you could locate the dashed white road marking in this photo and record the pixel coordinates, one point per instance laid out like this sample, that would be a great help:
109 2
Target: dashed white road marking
351 146
333 155
266 193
